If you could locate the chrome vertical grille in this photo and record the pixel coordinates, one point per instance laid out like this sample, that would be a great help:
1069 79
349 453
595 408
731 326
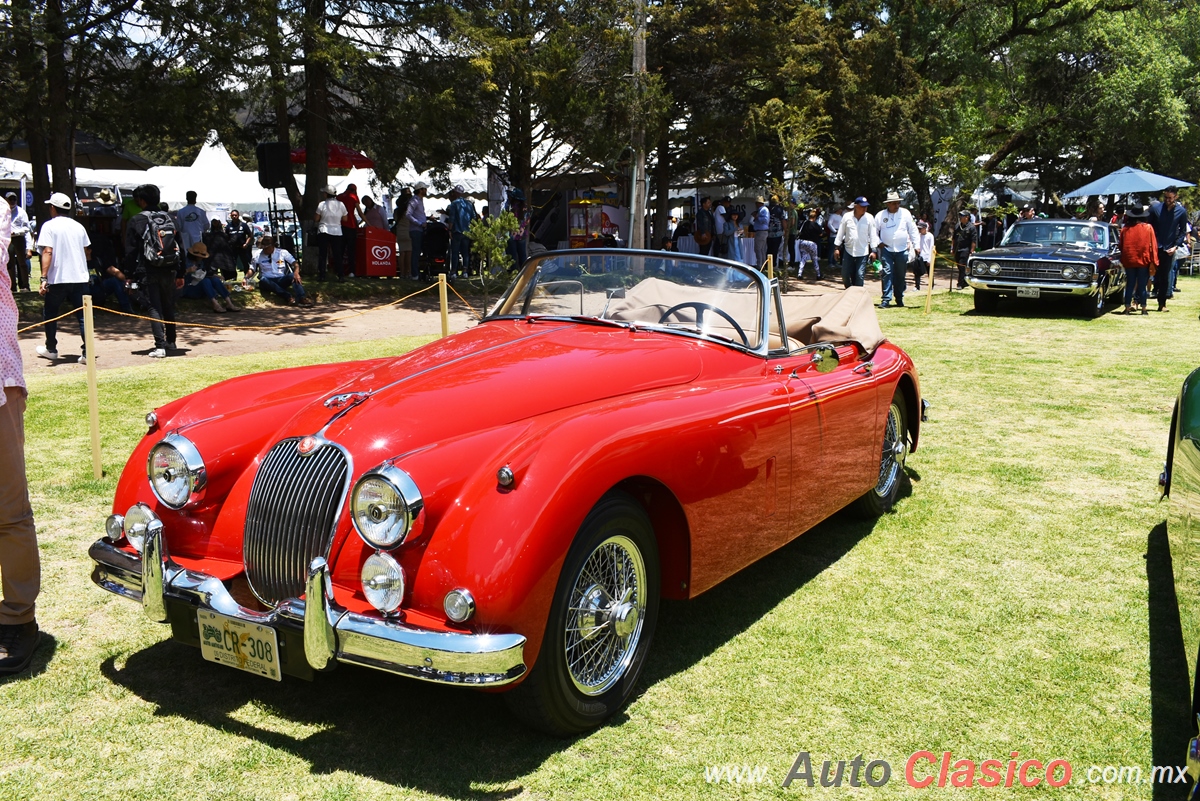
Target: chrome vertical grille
291 516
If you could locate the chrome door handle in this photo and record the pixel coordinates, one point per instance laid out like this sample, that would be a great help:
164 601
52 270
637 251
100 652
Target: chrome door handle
865 367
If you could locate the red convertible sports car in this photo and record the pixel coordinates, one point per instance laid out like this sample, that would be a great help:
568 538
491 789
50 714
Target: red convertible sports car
504 508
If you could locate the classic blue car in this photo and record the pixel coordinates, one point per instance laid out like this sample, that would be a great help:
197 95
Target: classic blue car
1046 258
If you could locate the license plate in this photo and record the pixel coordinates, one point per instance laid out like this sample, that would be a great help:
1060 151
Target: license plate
1029 292
246 646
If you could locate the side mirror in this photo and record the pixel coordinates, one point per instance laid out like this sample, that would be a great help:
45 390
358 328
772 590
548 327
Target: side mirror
825 358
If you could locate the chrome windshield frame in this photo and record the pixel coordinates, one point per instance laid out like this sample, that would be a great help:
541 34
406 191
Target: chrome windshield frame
758 279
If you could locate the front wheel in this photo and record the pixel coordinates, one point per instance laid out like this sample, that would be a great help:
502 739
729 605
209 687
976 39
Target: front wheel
986 302
600 626
1093 307
879 499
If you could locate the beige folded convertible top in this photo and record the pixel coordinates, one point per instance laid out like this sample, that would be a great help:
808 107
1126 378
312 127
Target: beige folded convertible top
838 316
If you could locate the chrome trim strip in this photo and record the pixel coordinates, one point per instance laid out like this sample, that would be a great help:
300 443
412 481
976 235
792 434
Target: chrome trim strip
444 657
1064 288
320 642
154 566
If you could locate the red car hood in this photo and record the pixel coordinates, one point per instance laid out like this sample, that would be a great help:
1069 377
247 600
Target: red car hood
492 375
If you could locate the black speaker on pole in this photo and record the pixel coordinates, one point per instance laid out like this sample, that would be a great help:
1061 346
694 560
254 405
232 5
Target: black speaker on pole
274 164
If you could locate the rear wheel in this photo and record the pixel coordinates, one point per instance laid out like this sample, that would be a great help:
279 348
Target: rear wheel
600 626
986 302
879 499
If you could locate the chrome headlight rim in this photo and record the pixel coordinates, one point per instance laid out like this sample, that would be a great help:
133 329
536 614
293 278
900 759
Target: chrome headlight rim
1068 272
978 267
993 268
197 473
403 485
135 528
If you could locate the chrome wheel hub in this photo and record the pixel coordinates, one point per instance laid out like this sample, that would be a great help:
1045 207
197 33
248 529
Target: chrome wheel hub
604 620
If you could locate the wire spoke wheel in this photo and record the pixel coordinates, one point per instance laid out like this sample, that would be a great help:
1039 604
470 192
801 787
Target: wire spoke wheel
605 614
891 461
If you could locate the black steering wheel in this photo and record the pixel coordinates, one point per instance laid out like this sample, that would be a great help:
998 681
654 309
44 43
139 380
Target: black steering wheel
701 308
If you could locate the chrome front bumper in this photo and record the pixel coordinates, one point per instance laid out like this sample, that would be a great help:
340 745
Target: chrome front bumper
1010 287
331 634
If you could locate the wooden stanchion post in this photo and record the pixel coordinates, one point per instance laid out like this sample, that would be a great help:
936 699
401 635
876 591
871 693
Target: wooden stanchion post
89 341
770 266
445 309
929 283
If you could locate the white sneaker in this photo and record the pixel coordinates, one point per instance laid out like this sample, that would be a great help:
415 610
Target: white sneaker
158 353
46 354
83 359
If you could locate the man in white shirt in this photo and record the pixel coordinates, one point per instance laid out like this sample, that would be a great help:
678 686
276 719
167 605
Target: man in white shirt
415 215
833 222
279 273
719 213
330 244
63 244
926 253
192 222
897 232
857 238
17 254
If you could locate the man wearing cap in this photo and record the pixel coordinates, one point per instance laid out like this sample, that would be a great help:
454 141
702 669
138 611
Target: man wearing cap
349 199
926 253
63 244
193 223
330 212
18 248
1169 220
279 274
762 225
1027 212
897 233
965 239
20 567
415 215
776 230
856 238
462 212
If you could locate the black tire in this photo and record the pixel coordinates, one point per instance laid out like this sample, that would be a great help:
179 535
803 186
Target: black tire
986 302
879 499
553 697
1093 307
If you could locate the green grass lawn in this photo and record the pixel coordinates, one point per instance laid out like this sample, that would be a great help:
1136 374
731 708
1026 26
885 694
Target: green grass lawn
1007 604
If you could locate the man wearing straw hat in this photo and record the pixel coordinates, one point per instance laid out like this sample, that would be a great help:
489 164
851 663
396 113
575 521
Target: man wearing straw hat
897 231
20 567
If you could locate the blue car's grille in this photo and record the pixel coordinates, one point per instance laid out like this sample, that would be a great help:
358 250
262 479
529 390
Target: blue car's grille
291 516
1031 270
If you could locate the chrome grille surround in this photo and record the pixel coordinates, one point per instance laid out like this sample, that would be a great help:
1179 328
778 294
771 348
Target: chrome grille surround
292 515
1033 270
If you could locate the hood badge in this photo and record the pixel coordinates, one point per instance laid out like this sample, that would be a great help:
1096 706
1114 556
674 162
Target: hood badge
346 400
307 445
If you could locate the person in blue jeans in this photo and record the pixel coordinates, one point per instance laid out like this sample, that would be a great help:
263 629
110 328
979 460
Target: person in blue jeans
897 233
857 238
279 274
204 283
462 212
1169 221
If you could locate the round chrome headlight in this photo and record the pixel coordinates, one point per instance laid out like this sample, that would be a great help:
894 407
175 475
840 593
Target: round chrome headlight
114 527
994 268
1068 272
177 473
1083 271
978 267
137 523
383 506
459 605
383 582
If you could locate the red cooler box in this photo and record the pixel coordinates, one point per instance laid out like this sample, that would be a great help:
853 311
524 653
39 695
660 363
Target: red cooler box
376 254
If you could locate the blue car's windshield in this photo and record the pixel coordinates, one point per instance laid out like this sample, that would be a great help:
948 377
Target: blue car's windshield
667 291
1058 233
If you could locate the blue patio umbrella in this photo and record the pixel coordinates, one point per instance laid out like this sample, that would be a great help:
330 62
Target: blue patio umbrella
1127 180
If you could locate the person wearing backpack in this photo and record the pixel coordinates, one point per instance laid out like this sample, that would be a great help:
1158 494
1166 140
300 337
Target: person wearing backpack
153 261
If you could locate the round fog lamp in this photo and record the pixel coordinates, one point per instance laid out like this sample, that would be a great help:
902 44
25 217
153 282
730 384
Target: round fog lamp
114 527
137 521
459 605
383 582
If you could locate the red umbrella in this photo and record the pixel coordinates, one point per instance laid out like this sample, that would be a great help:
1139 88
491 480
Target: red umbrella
340 157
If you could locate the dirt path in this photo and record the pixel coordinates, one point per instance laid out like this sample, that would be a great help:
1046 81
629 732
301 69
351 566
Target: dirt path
122 342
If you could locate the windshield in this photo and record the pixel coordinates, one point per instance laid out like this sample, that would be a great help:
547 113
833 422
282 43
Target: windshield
660 290
1058 233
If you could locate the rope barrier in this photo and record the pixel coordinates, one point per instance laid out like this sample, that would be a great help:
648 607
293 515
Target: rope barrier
281 326
51 320
478 316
